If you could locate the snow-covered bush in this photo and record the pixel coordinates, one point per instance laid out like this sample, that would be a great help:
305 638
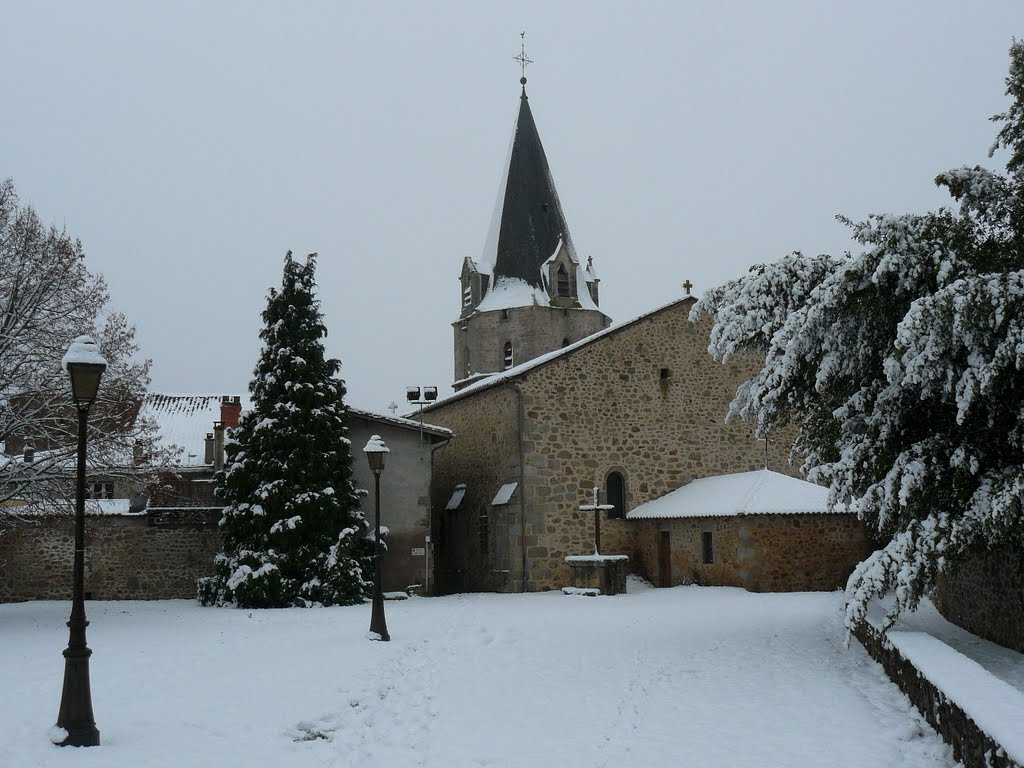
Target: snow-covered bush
293 531
902 367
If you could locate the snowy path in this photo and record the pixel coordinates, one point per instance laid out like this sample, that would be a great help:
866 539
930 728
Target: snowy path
687 676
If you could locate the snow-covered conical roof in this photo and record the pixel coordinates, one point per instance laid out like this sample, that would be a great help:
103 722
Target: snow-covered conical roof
531 223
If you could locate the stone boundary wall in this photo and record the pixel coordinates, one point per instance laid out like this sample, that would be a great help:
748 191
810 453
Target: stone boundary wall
985 596
971 745
127 557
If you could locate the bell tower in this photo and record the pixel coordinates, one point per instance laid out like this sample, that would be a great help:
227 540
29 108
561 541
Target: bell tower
528 294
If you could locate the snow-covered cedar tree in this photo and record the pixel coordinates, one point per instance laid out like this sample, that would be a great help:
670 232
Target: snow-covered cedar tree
294 534
902 368
47 298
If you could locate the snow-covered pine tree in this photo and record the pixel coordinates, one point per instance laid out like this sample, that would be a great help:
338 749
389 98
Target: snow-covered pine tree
902 367
294 534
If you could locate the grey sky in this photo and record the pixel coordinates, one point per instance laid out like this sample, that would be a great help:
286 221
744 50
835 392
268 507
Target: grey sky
190 145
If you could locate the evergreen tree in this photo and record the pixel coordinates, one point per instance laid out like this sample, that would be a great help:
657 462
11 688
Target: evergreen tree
293 531
902 366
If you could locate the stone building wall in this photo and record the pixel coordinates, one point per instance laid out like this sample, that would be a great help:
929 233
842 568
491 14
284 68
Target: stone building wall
484 455
645 400
985 596
762 553
127 558
534 331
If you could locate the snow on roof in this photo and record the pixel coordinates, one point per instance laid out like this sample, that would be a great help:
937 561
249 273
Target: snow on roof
508 292
399 421
745 493
582 291
504 494
490 253
496 378
457 497
184 420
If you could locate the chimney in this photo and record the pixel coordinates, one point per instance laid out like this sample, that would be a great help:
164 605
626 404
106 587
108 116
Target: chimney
208 458
218 447
230 410
29 456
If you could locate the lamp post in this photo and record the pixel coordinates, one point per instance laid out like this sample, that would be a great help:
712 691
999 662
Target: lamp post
376 451
85 365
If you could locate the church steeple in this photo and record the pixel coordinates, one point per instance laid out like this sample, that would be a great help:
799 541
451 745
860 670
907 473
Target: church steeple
528 294
532 221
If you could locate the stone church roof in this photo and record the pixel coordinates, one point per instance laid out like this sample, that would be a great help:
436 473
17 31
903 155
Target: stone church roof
744 493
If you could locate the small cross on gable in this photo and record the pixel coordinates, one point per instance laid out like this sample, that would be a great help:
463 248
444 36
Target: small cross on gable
687 286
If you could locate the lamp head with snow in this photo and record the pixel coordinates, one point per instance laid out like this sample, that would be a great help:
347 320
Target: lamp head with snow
412 394
430 394
375 451
85 365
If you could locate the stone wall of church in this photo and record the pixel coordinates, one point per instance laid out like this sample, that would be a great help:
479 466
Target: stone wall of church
477 546
126 558
761 553
646 401
534 331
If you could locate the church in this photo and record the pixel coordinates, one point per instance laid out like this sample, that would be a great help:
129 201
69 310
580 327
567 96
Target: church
552 400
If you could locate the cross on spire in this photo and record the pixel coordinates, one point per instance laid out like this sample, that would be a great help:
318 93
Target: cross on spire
522 57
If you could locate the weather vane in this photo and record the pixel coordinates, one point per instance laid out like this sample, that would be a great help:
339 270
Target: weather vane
522 57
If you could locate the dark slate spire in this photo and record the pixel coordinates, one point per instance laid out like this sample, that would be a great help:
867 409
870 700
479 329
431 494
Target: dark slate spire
532 221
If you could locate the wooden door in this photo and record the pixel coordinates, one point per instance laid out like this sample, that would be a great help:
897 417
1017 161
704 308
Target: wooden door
664 559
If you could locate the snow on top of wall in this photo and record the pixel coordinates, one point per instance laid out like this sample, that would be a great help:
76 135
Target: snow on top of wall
93 507
995 705
744 493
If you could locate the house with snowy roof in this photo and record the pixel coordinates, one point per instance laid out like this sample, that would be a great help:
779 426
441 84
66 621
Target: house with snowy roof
553 400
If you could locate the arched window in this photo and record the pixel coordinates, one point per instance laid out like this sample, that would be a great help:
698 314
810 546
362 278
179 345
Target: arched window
563 281
508 355
615 493
467 365
565 342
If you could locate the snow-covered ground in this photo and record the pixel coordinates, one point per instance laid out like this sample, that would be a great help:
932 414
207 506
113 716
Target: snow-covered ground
684 676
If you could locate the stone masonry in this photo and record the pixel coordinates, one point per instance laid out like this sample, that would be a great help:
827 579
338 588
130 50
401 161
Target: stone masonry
533 331
643 399
127 558
985 596
761 553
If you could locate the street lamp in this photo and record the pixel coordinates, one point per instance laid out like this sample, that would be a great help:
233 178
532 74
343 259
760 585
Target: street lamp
85 364
376 451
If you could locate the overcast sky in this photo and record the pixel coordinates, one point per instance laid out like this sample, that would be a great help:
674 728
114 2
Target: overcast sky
190 145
